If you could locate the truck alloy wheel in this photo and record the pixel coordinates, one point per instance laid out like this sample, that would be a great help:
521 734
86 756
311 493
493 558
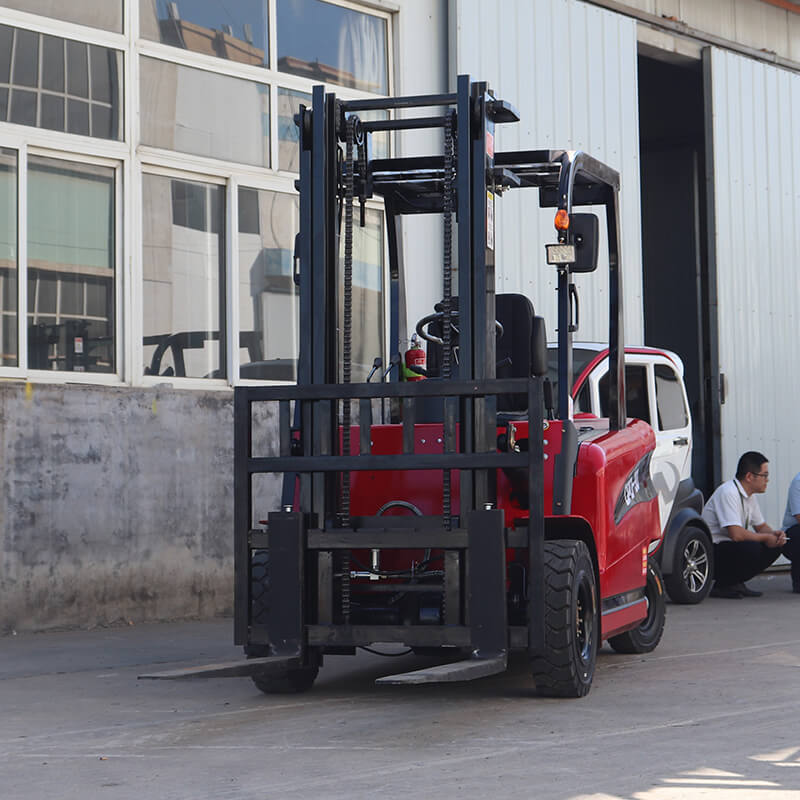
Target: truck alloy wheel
690 579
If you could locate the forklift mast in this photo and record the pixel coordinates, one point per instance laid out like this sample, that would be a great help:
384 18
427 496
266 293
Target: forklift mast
327 440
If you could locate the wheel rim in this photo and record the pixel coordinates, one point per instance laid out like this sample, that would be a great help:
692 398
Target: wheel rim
584 620
695 565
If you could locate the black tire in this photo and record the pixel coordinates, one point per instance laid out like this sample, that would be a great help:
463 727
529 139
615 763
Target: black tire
693 570
645 637
291 681
572 627
259 587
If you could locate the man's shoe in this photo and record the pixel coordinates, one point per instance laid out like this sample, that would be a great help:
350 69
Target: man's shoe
728 592
745 592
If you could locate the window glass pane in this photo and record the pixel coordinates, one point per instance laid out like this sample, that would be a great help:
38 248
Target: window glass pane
289 103
23 107
71 242
325 42
57 97
367 312
53 63
637 402
198 112
233 30
101 71
669 399
581 359
6 40
183 252
78 117
106 14
583 402
102 121
268 299
8 258
52 112
26 59
77 69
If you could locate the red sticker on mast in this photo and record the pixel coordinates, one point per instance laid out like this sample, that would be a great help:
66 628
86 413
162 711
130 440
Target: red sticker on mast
489 144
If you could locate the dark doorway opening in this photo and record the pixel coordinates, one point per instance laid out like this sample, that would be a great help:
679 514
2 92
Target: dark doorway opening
675 260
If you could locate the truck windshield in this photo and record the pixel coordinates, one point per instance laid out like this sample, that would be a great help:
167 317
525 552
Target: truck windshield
581 358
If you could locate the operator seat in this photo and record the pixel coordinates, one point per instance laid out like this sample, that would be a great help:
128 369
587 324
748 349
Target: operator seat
522 332
515 313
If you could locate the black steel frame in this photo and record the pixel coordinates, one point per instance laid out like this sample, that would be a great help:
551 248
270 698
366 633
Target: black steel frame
302 540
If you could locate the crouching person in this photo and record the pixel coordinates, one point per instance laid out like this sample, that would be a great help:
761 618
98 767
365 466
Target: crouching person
791 524
744 545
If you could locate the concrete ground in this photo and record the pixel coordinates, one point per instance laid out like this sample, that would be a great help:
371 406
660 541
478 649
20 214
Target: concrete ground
711 714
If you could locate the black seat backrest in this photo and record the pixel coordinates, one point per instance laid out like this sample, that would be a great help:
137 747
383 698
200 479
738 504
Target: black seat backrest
515 313
514 347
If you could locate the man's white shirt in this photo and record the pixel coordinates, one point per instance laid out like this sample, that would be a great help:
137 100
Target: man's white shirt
731 505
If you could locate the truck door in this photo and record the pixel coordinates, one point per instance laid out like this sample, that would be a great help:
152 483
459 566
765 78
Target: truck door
654 392
671 462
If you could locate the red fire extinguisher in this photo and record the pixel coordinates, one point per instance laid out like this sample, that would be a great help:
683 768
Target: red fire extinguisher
415 357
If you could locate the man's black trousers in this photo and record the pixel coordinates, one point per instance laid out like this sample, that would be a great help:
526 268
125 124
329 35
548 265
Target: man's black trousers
737 562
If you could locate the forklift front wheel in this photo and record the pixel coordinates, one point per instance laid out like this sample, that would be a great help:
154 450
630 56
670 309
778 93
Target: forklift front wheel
566 668
294 680
291 682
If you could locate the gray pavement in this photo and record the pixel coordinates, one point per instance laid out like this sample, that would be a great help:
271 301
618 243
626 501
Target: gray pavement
712 714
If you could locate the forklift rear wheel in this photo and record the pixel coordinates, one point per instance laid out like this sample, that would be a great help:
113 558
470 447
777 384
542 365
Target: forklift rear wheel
645 637
690 579
566 668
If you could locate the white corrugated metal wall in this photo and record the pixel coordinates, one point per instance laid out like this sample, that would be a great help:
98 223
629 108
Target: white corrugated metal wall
570 69
756 127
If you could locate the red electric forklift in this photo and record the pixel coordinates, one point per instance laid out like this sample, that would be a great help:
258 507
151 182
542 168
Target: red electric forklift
462 513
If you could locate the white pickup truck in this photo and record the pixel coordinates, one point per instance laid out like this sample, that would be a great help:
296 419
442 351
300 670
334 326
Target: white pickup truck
655 393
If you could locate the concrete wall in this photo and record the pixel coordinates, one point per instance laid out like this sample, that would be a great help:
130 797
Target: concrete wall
115 504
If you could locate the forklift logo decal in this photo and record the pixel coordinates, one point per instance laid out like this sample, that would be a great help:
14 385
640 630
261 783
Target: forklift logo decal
638 488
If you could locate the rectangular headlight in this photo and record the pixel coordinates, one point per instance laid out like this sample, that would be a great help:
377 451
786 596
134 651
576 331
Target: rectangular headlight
560 253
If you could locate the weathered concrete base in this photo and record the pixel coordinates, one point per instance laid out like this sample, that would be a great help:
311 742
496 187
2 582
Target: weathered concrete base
115 503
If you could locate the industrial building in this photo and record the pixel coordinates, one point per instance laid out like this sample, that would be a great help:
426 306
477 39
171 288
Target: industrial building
147 223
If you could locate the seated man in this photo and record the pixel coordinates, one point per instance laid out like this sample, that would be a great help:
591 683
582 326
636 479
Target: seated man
791 524
744 544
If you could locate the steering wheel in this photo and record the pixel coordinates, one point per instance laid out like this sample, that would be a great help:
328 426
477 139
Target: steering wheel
438 316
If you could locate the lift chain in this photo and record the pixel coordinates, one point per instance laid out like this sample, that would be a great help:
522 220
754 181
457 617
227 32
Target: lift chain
347 322
447 290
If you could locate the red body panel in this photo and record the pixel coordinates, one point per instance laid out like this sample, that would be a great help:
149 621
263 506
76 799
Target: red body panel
606 459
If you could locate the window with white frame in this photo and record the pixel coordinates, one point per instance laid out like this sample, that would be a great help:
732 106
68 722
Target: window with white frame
106 14
70 270
9 356
59 84
209 101
215 86
268 298
183 272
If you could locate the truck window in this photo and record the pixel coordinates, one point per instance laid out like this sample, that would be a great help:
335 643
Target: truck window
581 358
637 403
583 402
669 399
